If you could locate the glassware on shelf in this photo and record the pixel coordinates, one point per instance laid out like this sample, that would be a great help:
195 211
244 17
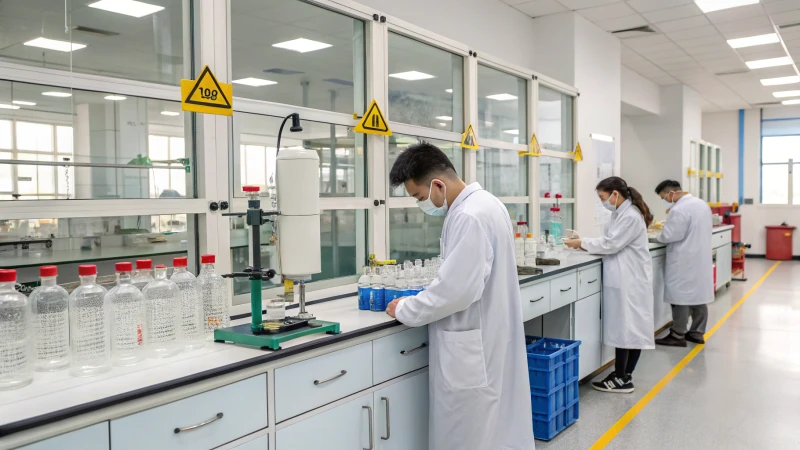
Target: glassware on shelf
143 274
214 294
163 325
129 315
191 305
16 351
50 308
90 320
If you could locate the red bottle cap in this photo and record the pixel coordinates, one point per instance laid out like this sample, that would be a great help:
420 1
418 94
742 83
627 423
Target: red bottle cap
8 276
251 188
86 270
180 262
144 264
208 259
48 271
161 266
554 209
123 267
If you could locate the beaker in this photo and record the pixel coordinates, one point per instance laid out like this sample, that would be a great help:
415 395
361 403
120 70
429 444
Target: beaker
276 310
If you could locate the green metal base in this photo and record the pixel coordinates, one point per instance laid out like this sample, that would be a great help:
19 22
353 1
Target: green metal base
241 334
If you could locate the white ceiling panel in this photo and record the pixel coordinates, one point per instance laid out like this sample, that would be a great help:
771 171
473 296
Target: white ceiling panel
702 41
662 60
761 52
674 13
781 6
607 12
744 24
718 49
581 4
622 23
645 41
683 24
665 80
514 2
787 17
692 33
739 13
747 32
538 8
669 56
790 34
652 5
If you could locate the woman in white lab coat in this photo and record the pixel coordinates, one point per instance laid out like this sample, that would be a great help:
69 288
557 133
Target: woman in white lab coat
627 280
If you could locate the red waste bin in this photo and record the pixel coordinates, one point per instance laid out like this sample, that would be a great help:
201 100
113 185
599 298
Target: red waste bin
736 221
779 242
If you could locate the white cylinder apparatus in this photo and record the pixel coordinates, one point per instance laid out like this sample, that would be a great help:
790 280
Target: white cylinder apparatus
298 222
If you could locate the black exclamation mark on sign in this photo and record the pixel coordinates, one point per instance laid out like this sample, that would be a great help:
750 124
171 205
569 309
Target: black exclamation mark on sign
374 121
468 140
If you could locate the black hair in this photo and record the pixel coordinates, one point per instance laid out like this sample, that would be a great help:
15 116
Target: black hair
612 184
668 185
421 163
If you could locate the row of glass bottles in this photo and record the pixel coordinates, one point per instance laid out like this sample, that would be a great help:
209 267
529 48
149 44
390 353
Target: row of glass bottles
92 328
378 286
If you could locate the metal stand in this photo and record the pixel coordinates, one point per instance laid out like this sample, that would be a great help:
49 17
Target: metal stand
303 314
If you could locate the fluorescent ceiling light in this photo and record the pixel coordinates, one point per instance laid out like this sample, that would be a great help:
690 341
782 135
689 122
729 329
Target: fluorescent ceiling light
488 124
715 5
449 91
601 137
53 44
170 113
791 102
115 97
302 45
502 97
23 102
250 81
782 94
411 76
772 62
780 80
751 41
127 7
57 94
448 118
442 124
4 106
514 132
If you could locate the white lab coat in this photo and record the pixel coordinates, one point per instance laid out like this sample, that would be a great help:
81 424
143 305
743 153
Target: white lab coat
479 393
627 279
688 275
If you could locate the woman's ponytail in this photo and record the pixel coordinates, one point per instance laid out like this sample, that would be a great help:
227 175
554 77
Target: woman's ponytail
638 202
612 184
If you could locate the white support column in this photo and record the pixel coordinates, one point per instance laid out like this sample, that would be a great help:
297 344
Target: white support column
471 116
533 162
377 146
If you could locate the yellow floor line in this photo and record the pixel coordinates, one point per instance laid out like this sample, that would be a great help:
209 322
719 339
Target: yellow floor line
612 432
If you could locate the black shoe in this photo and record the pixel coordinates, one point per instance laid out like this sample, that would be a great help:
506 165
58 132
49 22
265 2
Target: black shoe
696 337
672 341
613 383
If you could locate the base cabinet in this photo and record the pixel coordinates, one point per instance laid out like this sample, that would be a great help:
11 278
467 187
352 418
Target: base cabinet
662 312
401 415
588 330
344 427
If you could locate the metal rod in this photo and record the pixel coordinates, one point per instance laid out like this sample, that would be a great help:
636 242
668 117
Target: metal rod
80 164
255 284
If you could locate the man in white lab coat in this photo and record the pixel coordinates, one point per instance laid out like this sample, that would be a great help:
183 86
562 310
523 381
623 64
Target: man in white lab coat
479 393
688 274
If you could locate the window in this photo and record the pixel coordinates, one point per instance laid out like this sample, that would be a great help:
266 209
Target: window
503 172
166 149
399 142
413 234
780 163
502 106
555 176
291 52
567 217
555 120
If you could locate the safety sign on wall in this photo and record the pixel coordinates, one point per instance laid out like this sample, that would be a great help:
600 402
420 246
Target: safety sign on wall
207 95
373 122
533 148
468 139
577 155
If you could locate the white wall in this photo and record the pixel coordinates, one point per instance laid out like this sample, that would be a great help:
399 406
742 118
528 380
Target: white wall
554 38
639 92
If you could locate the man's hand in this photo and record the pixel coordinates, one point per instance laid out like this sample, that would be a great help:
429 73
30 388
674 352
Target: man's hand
392 306
573 243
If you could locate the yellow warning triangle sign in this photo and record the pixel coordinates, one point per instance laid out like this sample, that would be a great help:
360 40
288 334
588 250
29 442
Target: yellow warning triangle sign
533 147
468 139
577 154
207 95
373 122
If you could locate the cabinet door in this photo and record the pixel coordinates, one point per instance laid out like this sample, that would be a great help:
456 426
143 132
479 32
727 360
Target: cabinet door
724 265
588 329
94 437
401 415
345 427
261 443
661 310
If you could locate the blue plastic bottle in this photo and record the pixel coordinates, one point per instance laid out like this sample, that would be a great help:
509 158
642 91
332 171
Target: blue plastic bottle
364 289
377 298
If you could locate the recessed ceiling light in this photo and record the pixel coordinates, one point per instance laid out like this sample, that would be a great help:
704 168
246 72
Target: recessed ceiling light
751 41
411 76
302 45
4 106
170 113
771 62
115 97
502 97
514 132
127 7
53 44
601 137
448 118
715 5
23 102
57 94
791 102
488 124
780 80
250 81
781 94
449 91
442 124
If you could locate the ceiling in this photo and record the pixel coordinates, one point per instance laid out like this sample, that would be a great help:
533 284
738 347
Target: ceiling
689 47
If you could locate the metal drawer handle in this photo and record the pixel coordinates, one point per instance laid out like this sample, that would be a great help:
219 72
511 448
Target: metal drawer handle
567 289
388 422
201 424
590 282
371 437
538 299
408 352
341 374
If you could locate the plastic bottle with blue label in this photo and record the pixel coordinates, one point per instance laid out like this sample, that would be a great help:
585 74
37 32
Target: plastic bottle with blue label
390 281
364 289
402 283
377 297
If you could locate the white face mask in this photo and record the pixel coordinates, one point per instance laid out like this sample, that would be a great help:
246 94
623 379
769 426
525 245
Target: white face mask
429 208
666 203
607 204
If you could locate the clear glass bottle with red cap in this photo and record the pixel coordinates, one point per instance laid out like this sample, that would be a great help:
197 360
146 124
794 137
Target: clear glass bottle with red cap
162 335
143 274
89 326
191 305
50 308
129 314
214 294
16 351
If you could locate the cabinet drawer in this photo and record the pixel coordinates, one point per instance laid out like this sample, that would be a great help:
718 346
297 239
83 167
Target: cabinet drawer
399 353
535 300
219 416
720 239
563 290
94 437
345 427
308 384
589 281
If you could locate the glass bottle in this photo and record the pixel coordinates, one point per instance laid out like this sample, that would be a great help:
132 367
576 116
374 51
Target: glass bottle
377 297
129 314
390 284
555 224
401 284
530 251
50 307
214 294
142 275
16 351
364 289
162 335
90 320
191 305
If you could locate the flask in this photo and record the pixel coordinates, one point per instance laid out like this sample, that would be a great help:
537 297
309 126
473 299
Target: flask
16 355
163 325
128 312
50 308
142 275
214 294
89 326
192 331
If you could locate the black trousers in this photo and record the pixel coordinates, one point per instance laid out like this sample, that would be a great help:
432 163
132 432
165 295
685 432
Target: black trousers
626 360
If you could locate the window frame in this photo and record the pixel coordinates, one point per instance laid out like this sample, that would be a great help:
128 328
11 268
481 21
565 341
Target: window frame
790 167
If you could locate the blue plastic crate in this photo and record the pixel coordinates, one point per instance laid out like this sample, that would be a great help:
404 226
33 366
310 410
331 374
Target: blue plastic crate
549 402
571 413
571 368
546 427
571 391
545 380
547 353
